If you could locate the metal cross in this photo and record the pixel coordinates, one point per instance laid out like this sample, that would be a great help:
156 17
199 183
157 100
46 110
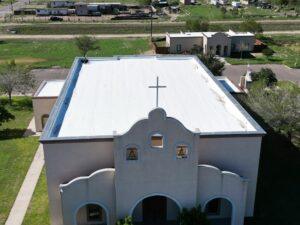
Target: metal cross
157 87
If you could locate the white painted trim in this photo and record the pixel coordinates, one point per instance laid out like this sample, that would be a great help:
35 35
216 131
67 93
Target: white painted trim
233 213
91 202
153 195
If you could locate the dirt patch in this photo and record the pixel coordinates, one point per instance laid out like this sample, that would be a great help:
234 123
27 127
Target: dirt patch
24 60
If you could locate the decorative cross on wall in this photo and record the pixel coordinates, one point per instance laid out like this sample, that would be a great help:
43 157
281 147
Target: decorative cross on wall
157 88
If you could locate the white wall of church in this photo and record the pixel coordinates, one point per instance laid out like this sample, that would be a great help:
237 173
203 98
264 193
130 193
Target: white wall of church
42 106
235 154
157 171
186 43
214 183
98 188
66 161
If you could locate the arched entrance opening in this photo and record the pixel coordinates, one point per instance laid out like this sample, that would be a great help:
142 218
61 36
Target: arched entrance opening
159 210
44 120
218 50
225 51
219 211
91 214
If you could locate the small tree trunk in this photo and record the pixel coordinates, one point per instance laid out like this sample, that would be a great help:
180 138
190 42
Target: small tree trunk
9 98
289 134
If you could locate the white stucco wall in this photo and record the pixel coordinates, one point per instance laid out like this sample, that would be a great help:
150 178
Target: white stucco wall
66 161
187 43
236 154
98 188
157 171
42 106
241 42
214 183
215 40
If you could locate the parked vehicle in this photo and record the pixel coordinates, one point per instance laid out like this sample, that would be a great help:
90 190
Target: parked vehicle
56 18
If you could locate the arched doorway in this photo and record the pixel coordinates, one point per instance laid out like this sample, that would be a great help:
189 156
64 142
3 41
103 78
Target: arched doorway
158 209
218 50
219 211
91 214
225 51
44 120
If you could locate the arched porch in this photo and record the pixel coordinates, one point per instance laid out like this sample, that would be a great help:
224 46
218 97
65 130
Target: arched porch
156 209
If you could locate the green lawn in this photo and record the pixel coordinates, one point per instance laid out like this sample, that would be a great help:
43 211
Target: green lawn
16 153
38 210
211 12
62 52
208 12
286 48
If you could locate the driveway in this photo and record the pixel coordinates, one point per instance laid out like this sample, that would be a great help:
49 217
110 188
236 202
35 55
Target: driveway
234 72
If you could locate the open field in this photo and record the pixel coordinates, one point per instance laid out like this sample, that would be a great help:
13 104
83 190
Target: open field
38 210
210 12
45 54
286 48
16 153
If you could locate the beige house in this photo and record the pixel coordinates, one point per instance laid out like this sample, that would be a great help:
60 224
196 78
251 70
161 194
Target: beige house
43 101
146 136
218 43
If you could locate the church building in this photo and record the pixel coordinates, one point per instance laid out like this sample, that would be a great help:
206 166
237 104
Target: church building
146 136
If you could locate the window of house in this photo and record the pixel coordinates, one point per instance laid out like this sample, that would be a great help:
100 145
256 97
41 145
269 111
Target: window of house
178 48
94 213
157 141
213 207
131 153
181 151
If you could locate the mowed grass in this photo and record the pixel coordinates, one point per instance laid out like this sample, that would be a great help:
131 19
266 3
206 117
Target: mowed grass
45 53
38 210
211 12
286 51
208 12
16 153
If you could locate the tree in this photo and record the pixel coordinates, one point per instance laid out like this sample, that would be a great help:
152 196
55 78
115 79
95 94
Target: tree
266 75
85 44
251 25
267 52
17 78
5 116
126 221
193 216
278 106
215 65
197 25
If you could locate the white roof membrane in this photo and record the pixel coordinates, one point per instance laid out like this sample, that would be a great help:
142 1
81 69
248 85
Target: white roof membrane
111 95
51 88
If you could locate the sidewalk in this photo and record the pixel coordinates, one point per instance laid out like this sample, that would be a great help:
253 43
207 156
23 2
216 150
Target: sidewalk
18 211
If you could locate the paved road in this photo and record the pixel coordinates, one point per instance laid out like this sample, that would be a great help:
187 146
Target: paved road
104 36
234 72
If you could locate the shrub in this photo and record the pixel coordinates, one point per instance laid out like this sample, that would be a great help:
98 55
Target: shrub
197 25
193 216
267 52
126 221
265 75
